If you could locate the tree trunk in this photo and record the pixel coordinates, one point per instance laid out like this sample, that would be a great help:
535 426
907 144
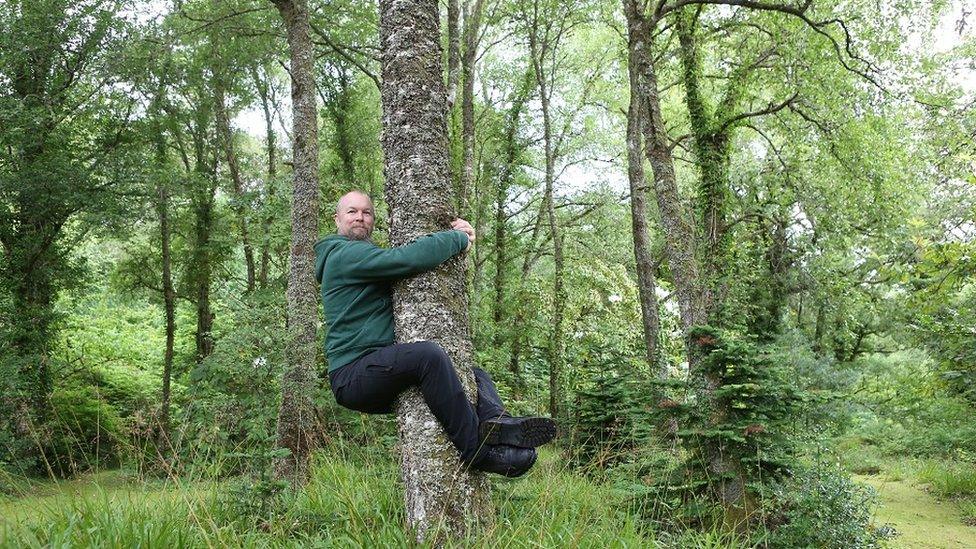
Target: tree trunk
711 146
339 107
296 416
680 239
512 151
514 363
169 294
265 91
559 295
439 491
646 283
169 304
472 30
680 242
230 155
202 267
453 50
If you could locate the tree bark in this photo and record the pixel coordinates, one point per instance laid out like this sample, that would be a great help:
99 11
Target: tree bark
169 294
265 91
646 283
202 265
681 241
453 50
169 303
512 151
712 152
472 33
230 156
438 490
555 351
296 416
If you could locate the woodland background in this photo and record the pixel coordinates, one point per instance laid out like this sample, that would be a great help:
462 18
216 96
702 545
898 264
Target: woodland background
729 245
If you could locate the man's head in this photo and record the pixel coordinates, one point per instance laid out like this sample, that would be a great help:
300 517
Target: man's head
354 216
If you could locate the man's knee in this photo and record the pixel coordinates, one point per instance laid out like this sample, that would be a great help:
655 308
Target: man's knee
432 356
481 376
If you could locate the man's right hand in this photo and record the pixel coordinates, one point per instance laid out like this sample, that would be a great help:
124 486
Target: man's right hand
466 228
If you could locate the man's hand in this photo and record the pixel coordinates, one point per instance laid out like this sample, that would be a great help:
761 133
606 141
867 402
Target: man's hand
466 228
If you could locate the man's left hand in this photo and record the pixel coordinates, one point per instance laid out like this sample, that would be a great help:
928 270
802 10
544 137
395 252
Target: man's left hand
466 228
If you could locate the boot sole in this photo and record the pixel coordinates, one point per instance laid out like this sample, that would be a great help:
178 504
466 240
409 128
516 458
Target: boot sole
526 433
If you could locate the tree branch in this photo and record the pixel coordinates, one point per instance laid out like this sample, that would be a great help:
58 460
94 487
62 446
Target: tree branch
770 109
336 48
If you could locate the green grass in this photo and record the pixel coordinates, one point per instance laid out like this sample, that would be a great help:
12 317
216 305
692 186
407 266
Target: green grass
350 502
948 479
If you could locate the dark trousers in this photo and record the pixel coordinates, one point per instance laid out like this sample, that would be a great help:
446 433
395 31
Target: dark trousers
372 383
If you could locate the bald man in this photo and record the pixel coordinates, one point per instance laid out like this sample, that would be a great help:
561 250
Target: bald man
368 370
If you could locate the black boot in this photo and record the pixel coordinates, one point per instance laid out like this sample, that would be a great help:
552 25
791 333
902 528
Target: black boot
525 432
509 461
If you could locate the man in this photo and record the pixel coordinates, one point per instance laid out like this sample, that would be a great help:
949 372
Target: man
367 370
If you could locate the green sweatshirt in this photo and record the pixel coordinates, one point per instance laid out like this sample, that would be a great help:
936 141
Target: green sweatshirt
356 276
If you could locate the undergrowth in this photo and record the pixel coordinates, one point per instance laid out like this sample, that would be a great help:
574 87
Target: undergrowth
349 502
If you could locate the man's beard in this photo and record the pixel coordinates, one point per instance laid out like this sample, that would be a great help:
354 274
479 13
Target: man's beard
362 234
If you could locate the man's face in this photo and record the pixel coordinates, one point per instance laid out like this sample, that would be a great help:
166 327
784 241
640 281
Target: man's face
354 217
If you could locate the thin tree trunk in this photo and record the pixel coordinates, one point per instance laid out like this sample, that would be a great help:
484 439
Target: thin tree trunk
646 283
559 297
296 416
512 151
230 155
169 294
169 303
438 490
265 91
472 30
453 51
338 105
514 363
202 264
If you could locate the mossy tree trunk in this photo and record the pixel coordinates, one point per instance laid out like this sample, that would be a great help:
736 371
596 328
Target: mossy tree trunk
296 416
646 282
442 495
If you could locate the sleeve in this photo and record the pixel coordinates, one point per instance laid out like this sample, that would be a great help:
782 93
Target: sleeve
365 262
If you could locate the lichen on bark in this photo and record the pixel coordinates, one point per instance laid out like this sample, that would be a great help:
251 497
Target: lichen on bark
442 496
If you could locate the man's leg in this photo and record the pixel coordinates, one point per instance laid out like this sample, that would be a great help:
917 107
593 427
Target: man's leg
372 384
489 402
498 427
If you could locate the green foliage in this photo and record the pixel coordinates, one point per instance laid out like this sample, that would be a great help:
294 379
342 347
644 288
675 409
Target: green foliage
906 409
85 432
821 507
754 403
946 323
949 479
225 417
611 418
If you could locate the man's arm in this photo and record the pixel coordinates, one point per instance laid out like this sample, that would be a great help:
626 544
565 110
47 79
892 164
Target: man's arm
361 261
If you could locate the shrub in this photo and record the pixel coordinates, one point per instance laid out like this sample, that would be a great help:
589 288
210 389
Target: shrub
820 507
84 433
747 418
610 416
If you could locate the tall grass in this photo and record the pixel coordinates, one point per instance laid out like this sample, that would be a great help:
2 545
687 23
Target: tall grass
349 502
948 478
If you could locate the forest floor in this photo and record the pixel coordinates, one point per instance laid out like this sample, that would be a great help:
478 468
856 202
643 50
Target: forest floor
920 519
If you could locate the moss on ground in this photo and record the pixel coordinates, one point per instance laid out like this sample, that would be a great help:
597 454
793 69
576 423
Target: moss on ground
920 519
